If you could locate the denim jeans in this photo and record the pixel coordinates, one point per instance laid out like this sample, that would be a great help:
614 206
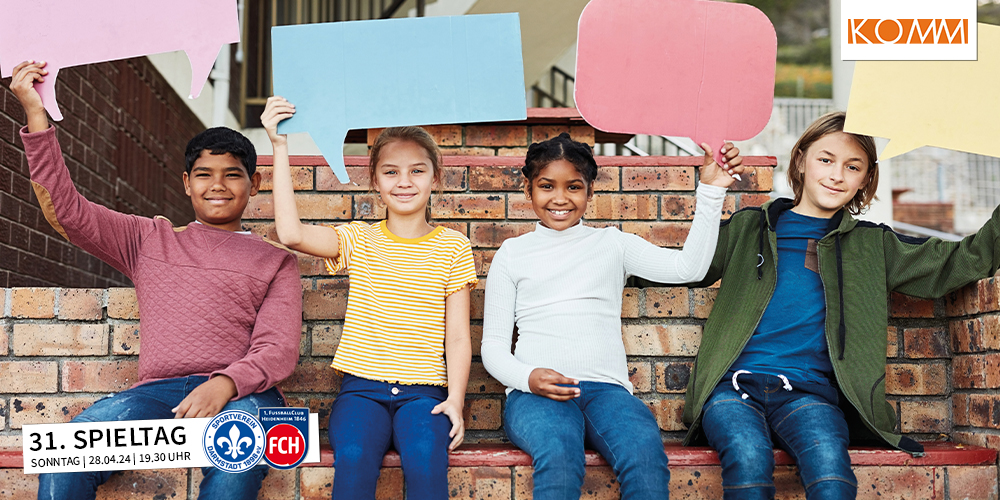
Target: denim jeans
810 427
604 417
368 416
154 400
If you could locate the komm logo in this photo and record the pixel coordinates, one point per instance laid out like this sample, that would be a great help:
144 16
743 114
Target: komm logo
907 31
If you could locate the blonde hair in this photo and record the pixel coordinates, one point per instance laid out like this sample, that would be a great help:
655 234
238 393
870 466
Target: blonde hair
416 135
827 124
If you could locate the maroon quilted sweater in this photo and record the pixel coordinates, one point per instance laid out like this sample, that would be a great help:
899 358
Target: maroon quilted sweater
210 301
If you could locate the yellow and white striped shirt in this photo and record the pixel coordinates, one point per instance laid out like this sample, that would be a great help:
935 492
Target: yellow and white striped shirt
394 327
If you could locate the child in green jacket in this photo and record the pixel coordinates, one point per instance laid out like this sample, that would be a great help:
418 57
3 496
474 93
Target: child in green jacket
795 345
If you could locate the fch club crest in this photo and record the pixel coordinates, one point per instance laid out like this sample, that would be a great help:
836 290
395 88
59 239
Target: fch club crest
234 441
286 433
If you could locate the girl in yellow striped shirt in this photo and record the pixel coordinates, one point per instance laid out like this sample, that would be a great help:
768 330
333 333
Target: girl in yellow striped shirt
405 350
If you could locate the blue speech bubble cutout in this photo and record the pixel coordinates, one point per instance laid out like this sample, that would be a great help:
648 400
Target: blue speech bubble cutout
397 72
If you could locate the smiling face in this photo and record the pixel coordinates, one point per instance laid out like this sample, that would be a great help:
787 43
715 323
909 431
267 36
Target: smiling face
404 178
220 188
833 169
559 195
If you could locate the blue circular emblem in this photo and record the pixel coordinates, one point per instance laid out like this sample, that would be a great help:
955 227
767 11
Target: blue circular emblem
234 441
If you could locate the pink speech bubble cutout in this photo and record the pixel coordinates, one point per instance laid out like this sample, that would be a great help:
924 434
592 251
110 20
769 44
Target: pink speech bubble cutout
691 68
72 33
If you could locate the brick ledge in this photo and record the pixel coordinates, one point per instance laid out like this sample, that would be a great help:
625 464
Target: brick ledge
505 455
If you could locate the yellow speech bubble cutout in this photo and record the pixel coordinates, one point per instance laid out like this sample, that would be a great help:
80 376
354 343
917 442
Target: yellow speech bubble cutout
947 104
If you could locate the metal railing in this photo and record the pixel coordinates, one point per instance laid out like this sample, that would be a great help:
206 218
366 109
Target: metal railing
560 91
261 15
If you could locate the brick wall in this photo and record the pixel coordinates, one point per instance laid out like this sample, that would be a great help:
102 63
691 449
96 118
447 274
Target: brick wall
123 137
974 333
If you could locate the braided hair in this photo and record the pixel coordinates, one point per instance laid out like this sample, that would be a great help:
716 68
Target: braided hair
540 154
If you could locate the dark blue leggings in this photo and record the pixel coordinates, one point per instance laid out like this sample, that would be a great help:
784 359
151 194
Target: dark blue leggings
368 416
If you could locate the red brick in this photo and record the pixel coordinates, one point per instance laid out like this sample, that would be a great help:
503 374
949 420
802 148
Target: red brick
496 135
460 227
925 342
976 371
967 335
752 200
369 206
755 179
904 306
512 152
4 339
622 206
630 302
60 340
326 338
278 485
81 303
122 303
900 482
125 339
495 178
29 376
658 179
582 133
703 299
324 304
162 483
925 416
476 302
310 265
640 374
302 178
519 207
668 413
672 376
311 376
317 206
541 133
483 259
476 332
468 151
470 206
326 181
667 302
99 376
316 483
479 482
984 410
32 302
480 381
677 206
664 234
16 485
493 234
960 409
608 179
598 484
445 135
699 482
988 291
483 414
954 303
968 482
916 379
661 340
262 229
45 410
892 342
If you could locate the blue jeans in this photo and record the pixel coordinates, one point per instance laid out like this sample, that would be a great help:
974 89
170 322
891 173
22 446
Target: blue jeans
606 418
368 416
808 426
154 400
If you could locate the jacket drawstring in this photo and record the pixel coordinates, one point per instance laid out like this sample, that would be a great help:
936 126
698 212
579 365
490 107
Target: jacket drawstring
842 334
760 245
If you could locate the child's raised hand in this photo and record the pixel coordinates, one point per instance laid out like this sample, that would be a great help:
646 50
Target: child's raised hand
453 410
722 176
277 109
22 85
546 382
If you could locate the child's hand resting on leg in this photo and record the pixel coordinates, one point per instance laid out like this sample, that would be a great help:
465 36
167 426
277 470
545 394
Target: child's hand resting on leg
546 382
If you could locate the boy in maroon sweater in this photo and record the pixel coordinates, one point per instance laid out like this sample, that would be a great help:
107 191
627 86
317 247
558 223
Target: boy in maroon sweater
221 309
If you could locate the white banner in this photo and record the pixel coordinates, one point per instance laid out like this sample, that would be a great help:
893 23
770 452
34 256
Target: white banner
126 445
908 30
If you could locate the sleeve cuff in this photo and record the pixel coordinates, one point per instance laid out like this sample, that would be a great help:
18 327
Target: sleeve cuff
711 192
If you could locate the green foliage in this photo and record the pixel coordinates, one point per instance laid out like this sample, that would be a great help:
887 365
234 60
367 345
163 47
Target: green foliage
815 53
989 13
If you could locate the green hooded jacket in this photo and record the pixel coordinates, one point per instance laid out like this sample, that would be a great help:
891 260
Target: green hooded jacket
859 263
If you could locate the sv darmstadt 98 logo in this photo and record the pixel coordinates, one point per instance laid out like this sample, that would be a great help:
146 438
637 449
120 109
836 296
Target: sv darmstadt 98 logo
234 441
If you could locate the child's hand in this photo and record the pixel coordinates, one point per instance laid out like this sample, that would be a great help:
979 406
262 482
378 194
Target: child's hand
543 382
22 85
208 399
277 109
712 173
453 410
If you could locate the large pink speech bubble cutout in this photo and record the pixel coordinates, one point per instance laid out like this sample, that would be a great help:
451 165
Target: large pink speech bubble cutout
691 68
72 33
